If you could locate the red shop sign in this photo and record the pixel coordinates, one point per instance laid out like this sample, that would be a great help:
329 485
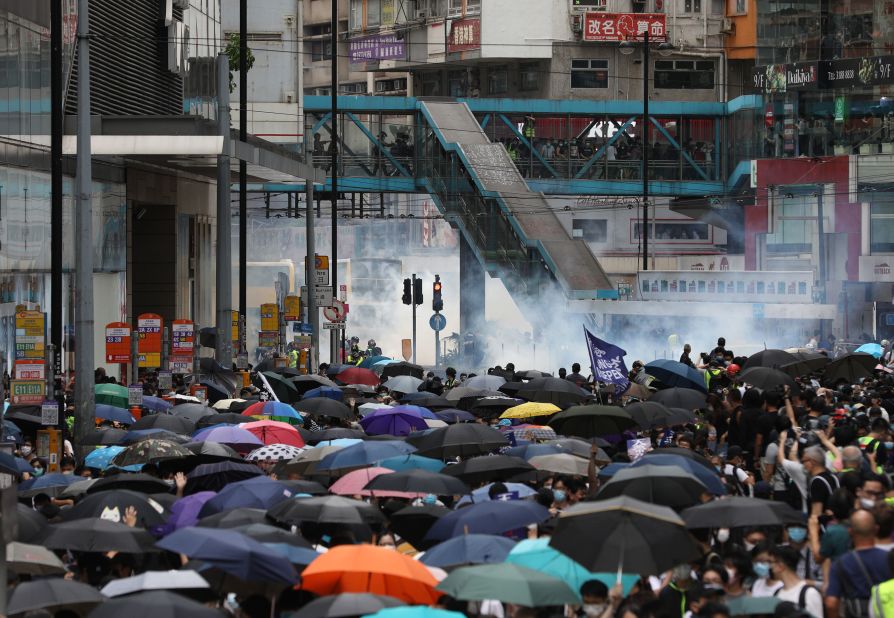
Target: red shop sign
465 35
625 26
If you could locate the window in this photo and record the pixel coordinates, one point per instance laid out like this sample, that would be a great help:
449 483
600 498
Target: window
498 80
736 7
684 74
692 6
794 226
373 13
589 5
391 85
355 88
591 230
881 228
529 76
356 15
455 7
321 50
457 83
431 8
673 232
589 73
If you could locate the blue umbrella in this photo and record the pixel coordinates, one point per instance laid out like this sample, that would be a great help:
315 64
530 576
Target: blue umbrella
111 413
231 552
468 549
324 391
673 373
340 442
538 555
184 512
23 466
612 468
156 404
296 555
452 415
257 493
494 517
535 450
101 458
870 348
392 422
54 479
482 494
412 462
11 432
364 454
370 361
710 480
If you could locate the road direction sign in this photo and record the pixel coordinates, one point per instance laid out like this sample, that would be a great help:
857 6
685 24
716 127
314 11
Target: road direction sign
333 325
322 295
335 313
437 322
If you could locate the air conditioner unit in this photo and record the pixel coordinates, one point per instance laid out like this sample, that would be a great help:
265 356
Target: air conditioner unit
422 14
577 23
728 25
181 4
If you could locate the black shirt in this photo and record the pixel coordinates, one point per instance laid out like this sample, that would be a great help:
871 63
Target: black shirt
684 358
821 487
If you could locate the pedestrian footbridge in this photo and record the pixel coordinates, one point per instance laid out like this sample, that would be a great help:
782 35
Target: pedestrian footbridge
488 163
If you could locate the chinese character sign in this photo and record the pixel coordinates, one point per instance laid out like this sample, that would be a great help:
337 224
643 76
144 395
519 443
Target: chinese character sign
149 327
465 35
624 26
375 48
182 338
118 342
607 361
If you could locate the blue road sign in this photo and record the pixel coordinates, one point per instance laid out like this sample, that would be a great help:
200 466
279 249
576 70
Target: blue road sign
437 322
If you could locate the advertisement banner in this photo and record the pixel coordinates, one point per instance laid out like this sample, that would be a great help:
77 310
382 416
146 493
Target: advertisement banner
30 392
149 326
727 286
183 338
118 342
268 339
30 335
784 77
270 317
30 369
858 72
376 48
292 311
235 326
614 27
465 35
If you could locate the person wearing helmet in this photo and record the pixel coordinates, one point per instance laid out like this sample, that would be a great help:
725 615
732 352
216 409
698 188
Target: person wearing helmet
732 371
372 349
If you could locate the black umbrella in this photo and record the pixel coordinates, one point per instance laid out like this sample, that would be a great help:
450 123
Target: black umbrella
688 453
216 476
323 406
650 414
492 407
346 604
624 534
553 390
579 447
23 412
678 397
215 392
850 368
234 518
167 422
149 451
31 524
532 374
211 452
193 412
143 435
113 505
766 378
402 368
412 523
669 486
324 510
511 388
740 511
592 420
104 437
488 468
228 418
53 594
431 401
96 535
419 481
265 533
143 483
212 371
154 604
283 387
334 433
808 362
462 440
473 396
769 358
304 487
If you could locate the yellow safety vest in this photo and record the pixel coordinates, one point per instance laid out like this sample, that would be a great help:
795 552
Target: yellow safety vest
882 599
293 358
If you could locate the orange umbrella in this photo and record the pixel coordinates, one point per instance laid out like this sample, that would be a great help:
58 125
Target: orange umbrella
367 568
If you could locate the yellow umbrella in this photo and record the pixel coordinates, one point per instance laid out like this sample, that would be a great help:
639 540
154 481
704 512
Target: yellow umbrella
530 410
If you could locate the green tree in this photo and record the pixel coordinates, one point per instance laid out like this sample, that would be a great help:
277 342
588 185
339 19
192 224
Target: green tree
233 53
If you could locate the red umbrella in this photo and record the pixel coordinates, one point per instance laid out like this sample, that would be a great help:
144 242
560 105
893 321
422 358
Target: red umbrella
358 375
274 432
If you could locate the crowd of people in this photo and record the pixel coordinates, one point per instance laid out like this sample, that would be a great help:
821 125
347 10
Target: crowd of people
717 485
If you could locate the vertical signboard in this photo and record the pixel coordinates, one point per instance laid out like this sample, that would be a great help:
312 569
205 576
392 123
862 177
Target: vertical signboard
235 327
270 317
118 342
30 335
292 309
465 35
183 338
149 326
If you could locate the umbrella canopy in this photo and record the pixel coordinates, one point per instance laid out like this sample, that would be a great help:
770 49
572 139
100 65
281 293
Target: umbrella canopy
490 406
538 555
112 394
211 452
104 436
335 433
231 552
452 416
111 413
154 604
324 509
168 422
850 368
402 368
256 493
561 463
138 435
309 382
306 463
769 358
468 549
488 468
516 490
223 418
155 580
240 439
462 440
325 392
418 482
364 454
412 462
133 481
346 604
651 414
366 568
676 397
358 375
393 422
184 512
156 404
489 382
492 517
96 535
224 405
77 490
624 534
413 522
739 511
766 378
592 420
265 533
274 452
112 505
509 583
459 392
665 457
53 594
234 518
354 484
149 451
101 458
32 524
215 392
51 484
283 387
553 390
427 400
323 406
215 476
369 361
673 373
531 409
27 559
273 409
403 384
193 412
527 451
666 485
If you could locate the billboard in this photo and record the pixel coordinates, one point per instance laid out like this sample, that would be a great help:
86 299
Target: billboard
615 27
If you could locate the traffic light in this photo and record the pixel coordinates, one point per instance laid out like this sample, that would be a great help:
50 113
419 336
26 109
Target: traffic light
417 292
408 291
437 303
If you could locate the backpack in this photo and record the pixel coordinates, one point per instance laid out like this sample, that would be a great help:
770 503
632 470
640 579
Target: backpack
802 596
733 485
793 496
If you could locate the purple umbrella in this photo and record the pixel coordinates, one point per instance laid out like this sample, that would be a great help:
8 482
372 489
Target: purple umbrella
393 422
238 438
185 512
423 412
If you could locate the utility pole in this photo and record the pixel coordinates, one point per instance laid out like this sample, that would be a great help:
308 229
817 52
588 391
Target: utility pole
85 397
645 228
414 316
56 229
313 315
224 265
333 152
243 174
821 250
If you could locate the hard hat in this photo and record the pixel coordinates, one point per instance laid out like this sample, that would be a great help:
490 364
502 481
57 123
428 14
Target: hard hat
732 370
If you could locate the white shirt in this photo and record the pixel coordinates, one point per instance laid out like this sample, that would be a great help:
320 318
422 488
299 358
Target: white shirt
761 588
796 471
813 600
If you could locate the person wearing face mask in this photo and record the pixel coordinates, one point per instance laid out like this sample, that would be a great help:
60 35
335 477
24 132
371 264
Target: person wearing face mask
25 450
795 589
595 596
738 569
752 537
807 567
765 583
674 598
39 466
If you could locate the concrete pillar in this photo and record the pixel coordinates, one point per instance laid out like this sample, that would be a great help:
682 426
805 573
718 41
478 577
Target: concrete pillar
471 295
